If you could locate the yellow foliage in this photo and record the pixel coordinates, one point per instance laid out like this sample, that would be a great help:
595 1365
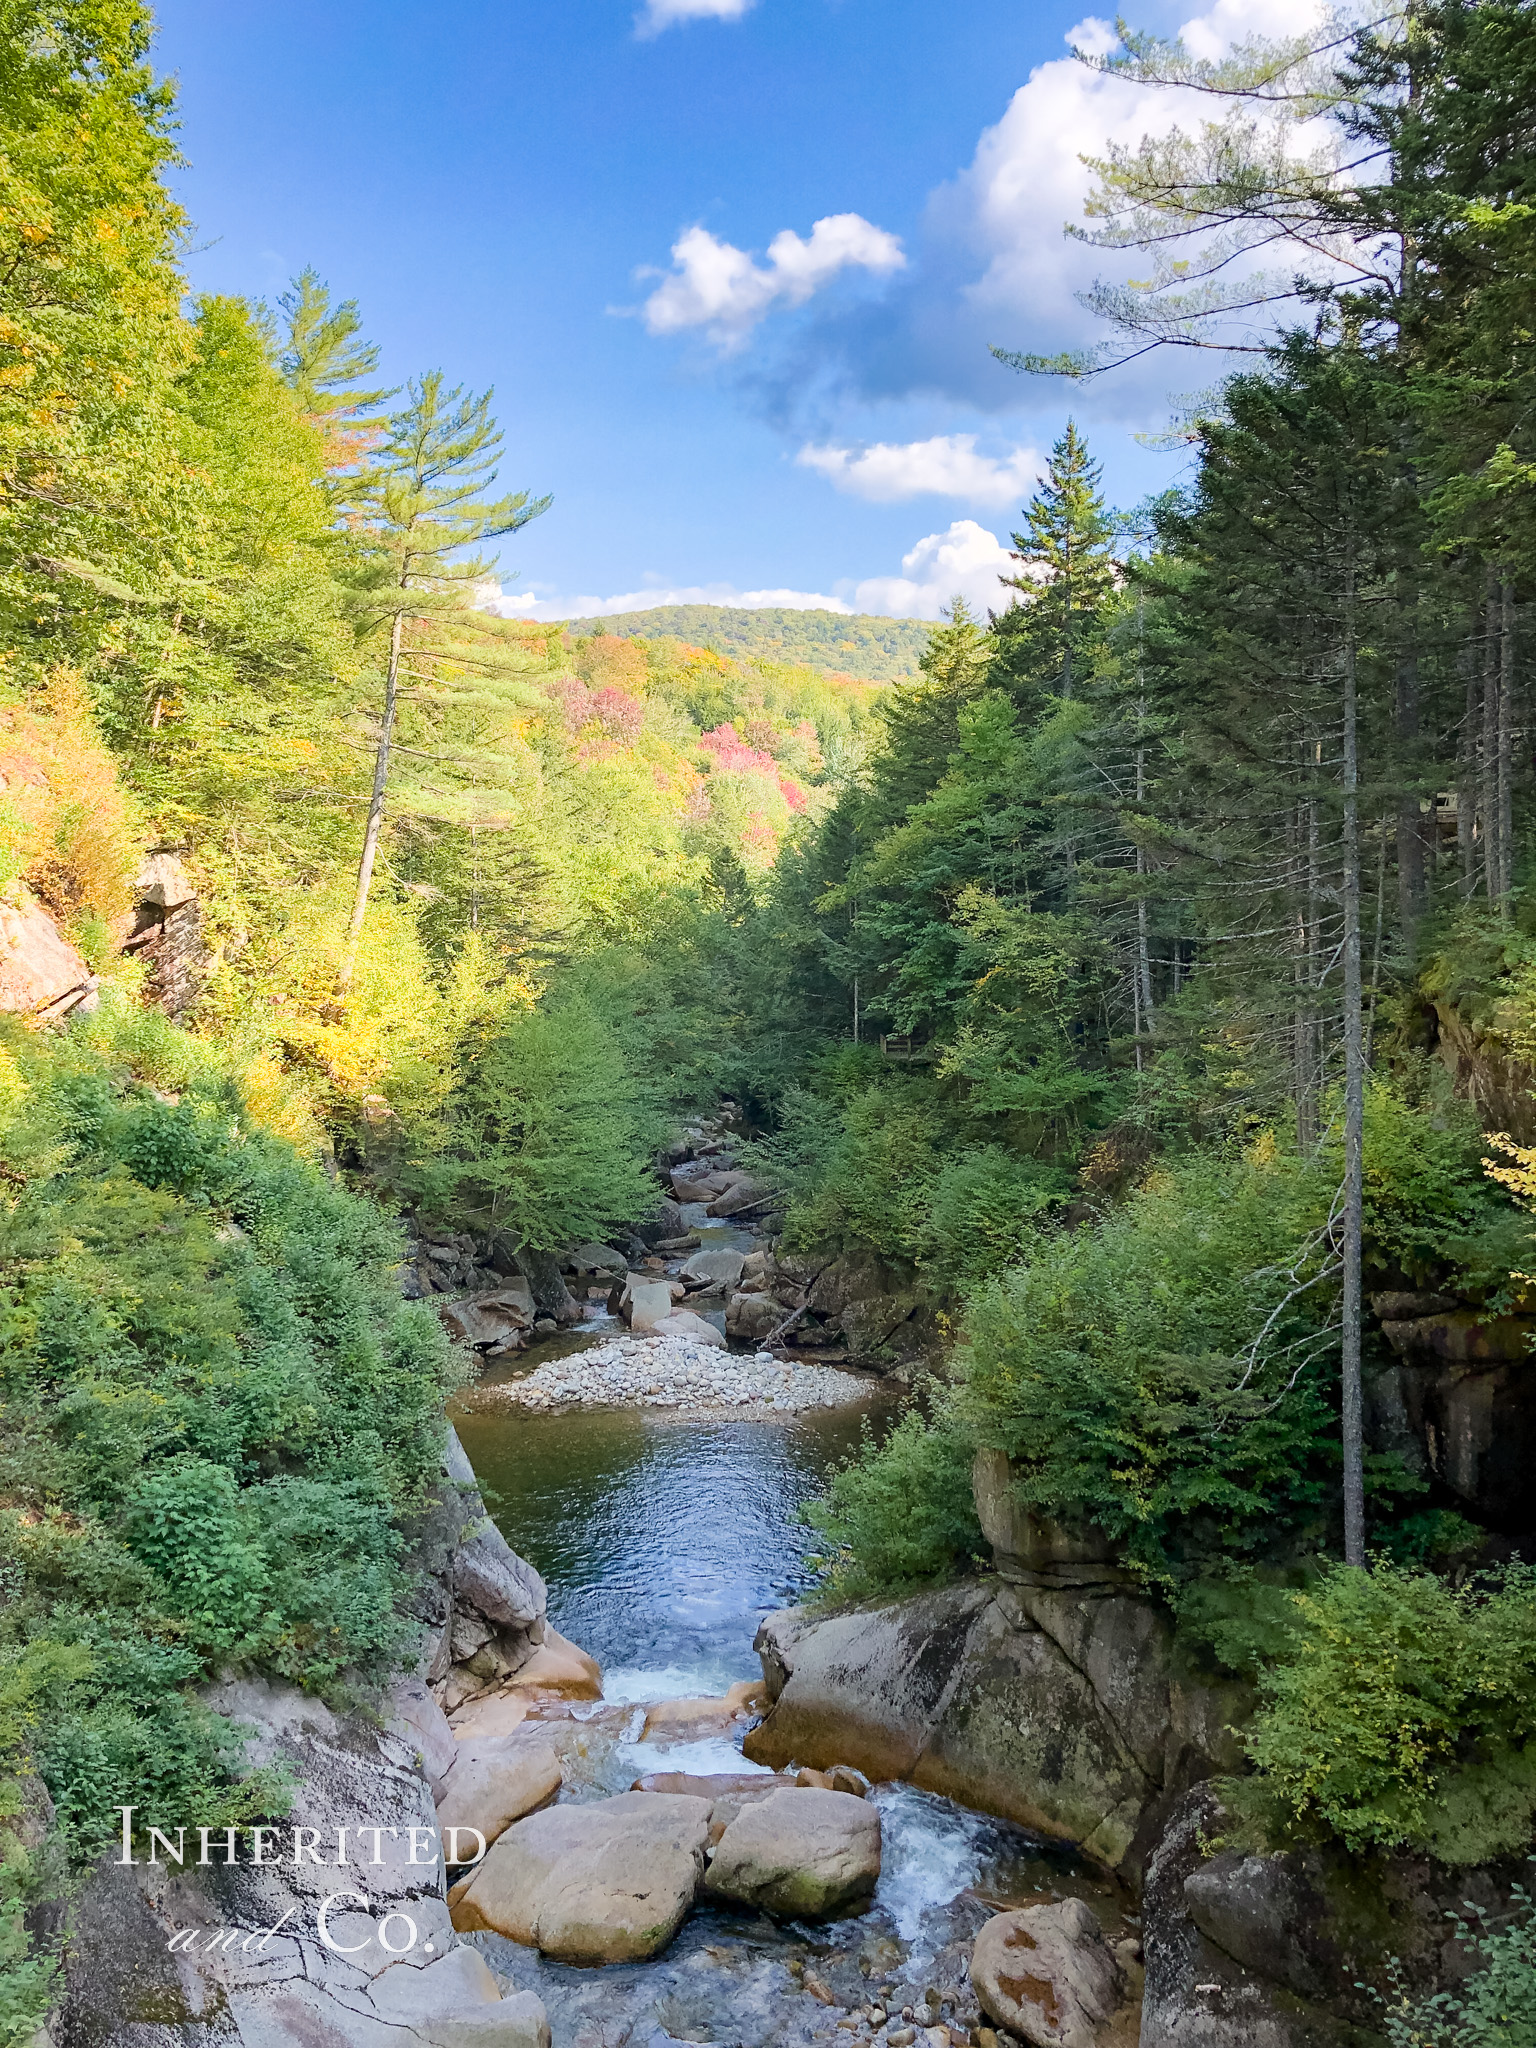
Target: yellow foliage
67 826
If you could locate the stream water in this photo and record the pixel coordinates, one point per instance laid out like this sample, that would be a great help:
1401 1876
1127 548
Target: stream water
664 1540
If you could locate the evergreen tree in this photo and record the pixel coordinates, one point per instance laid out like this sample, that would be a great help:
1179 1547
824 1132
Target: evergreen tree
1067 573
422 510
322 359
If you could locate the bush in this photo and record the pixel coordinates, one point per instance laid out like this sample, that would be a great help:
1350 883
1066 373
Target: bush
1403 1712
1118 1367
1495 2008
899 1513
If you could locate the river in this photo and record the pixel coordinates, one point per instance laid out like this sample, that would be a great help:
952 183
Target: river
664 1540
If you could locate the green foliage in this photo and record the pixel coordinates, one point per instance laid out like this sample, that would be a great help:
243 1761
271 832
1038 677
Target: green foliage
548 1136
899 1513
1495 2007
217 1408
1120 1367
876 650
1403 1713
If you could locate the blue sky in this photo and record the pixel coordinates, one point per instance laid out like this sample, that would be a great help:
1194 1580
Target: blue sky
613 221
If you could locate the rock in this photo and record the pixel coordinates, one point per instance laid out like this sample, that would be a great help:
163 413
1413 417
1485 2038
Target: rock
604 1883
717 1266
695 1184
457 2003
1057 1710
715 1785
1047 1974
644 1302
41 973
803 1855
163 882
745 1697
489 1717
743 1192
559 1670
750 1318
551 1296
488 1318
492 1783
490 1577
420 1723
684 1323
595 1258
663 1225
1456 1406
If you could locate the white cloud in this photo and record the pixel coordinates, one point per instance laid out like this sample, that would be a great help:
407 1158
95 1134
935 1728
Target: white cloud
719 287
945 466
964 561
660 14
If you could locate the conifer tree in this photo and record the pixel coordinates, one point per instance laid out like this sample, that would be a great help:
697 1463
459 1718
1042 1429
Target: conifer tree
1067 571
422 510
322 359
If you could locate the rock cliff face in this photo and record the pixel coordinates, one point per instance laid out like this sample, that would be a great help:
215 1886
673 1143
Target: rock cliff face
252 1966
1283 1950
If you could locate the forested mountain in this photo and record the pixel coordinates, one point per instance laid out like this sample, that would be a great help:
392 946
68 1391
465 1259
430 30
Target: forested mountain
1148 986
856 644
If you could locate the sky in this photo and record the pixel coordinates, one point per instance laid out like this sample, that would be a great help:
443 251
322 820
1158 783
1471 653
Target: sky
731 266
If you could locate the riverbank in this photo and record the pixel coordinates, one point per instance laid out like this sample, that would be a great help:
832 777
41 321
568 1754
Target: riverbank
677 1372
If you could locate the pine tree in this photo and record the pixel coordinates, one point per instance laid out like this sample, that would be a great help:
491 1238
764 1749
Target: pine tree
422 510
322 359
1067 572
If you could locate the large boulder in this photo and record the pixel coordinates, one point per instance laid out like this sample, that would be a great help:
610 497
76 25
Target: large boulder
41 973
491 1784
752 1318
802 1855
684 1323
559 1669
715 1266
591 1259
666 1222
1059 1710
644 1302
489 1318
605 1883
1046 1974
490 1577
743 1191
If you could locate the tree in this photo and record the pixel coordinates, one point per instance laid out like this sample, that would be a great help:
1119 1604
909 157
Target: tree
1068 571
421 510
322 359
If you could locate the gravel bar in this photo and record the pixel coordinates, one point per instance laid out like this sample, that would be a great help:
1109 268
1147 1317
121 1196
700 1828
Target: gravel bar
672 1372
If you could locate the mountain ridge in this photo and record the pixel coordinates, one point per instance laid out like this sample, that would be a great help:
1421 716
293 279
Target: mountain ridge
857 644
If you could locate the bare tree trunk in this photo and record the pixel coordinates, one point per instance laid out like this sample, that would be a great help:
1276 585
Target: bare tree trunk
1505 777
375 811
1488 781
1354 1108
1145 1015
1411 890
1466 785
1309 1064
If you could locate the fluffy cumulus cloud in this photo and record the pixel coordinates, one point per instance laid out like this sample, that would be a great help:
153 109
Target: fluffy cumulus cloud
660 14
963 561
714 285
944 466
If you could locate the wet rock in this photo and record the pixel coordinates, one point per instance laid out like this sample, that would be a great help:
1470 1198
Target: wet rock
559 1669
716 1266
491 1784
804 1855
715 1785
665 1223
1047 1974
752 1318
747 1696
604 1883
742 1191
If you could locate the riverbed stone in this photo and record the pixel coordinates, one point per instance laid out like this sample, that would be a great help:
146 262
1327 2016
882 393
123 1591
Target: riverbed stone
559 1669
747 1696
489 1318
750 1318
605 1883
715 1266
802 1855
1047 1974
492 1784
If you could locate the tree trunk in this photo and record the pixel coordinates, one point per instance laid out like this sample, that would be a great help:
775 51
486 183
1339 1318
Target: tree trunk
1411 877
1488 781
1145 1015
1505 778
375 811
1466 783
1354 1108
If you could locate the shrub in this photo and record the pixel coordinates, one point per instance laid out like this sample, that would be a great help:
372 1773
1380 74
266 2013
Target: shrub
1495 2008
1403 1712
900 1512
1120 1368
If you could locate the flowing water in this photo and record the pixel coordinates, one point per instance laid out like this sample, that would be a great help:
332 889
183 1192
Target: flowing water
664 1541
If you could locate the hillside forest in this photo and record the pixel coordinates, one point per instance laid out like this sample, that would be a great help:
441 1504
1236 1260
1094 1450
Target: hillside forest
1147 988
848 643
